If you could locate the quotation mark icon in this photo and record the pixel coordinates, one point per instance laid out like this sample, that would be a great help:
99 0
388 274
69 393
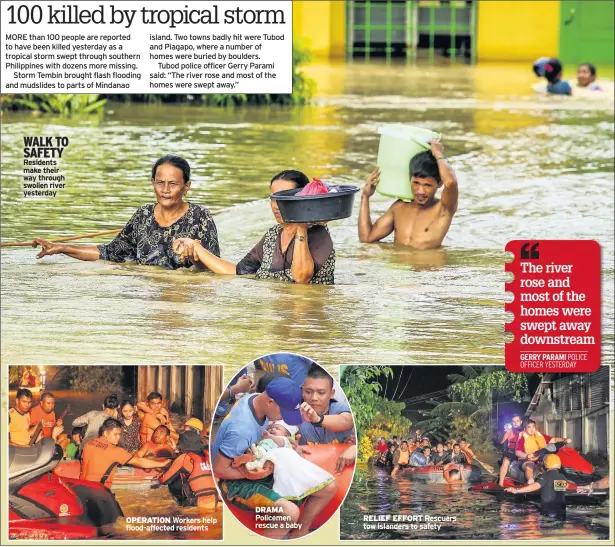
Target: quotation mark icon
532 254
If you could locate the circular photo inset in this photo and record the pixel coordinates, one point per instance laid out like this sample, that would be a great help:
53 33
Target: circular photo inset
283 446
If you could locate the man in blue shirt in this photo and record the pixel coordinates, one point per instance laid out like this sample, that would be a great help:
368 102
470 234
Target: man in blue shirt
289 364
277 398
326 420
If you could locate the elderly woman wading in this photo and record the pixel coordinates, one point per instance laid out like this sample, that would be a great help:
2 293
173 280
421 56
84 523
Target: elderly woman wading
148 236
293 252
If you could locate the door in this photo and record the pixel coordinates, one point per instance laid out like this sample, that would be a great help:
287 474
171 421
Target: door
586 32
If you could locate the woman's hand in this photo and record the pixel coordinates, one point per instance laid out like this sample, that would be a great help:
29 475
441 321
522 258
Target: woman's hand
48 248
184 247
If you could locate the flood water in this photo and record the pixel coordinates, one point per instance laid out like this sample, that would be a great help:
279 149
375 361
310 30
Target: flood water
529 167
136 500
464 515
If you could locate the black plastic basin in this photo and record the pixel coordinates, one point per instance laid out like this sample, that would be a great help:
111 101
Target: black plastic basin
318 208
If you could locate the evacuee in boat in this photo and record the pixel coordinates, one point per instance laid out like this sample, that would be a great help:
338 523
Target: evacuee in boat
382 445
552 485
299 253
101 456
531 441
148 236
424 222
509 440
401 458
76 438
19 419
456 457
152 415
45 412
129 440
325 420
438 457
93 420
189 478
418 457
159 446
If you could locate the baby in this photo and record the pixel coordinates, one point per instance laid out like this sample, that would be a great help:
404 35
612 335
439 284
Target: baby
277 435
294 477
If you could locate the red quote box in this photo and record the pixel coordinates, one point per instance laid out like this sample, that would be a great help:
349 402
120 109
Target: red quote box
556 306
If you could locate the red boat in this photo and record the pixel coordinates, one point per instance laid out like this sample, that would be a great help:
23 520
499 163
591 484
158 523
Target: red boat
325 456
125 475
43 506
576 469
435 474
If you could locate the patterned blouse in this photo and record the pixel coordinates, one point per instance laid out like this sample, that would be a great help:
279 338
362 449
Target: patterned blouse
144 241
129 437
267 260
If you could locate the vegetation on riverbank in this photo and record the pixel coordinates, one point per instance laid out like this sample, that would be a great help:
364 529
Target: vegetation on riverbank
71 104
374 415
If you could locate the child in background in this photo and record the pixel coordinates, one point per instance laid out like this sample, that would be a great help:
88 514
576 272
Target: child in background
72 449
551 69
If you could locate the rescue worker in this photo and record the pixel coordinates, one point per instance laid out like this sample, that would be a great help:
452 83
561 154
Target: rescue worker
19 418
401 458
152 415
552 485
510 442
102 456
189 478
531 441
45 411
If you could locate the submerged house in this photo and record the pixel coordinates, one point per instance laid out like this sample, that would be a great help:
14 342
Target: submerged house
576 406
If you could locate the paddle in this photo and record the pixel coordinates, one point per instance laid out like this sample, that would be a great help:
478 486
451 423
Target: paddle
82 236
486 466
39 426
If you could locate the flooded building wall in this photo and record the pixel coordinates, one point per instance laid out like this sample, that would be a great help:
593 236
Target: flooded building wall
576 406
191 390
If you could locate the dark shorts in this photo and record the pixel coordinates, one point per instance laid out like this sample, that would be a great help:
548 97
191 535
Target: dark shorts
510 455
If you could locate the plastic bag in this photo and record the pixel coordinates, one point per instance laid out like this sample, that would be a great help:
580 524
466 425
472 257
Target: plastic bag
313 188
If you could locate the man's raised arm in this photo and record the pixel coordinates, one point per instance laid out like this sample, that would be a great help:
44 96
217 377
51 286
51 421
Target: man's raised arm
450 194
368 232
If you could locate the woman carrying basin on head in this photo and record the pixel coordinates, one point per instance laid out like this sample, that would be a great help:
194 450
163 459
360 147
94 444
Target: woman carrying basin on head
292 252
149 234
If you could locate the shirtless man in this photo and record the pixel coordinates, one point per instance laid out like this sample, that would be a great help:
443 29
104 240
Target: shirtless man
423 222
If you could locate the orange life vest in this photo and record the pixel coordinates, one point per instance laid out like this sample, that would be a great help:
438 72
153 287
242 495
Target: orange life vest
533 443
403 457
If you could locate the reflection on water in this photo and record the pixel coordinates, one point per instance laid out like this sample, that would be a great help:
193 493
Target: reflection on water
463 515
529 167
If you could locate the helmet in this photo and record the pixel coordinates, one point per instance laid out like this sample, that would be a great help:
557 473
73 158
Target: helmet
552 461
195 423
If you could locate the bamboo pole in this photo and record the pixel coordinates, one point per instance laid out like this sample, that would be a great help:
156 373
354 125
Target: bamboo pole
32 243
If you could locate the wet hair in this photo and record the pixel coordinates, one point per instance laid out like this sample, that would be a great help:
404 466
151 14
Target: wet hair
125 403
553 69
455 446
175 161
426 448
23 392
154 395
162 427
530 422
590 67
111 402
424 165
454 474
319 373
109 425
47 395
77 431
405 442
299 178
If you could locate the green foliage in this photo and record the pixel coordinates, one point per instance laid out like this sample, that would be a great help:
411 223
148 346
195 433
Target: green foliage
374 415
59 103
491 386
103 380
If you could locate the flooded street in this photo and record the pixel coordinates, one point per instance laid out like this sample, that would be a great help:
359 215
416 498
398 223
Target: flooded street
529 166
136 500
466 515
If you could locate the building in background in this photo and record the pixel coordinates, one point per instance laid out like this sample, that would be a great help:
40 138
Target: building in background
474 30
575 406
